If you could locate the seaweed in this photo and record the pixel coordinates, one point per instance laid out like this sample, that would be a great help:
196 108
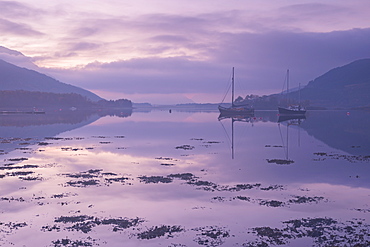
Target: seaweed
272 203
19 173
160 231
83 183
163 158
305 199
70 149
349 158
155 179
62 195
72 243
85 223
20 199
18 159
121 180
167 164
30 178
323 231
185 147
93 177
280 161
240 187
182 176
10 167
211 235
43 143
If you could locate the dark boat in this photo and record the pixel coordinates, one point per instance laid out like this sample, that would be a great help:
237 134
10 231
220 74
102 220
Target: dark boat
234 109
291 109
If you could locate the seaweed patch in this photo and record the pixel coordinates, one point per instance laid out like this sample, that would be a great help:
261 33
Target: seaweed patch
211 235
280 161
306 199
323 231
167 164
94 177
185 147
349 158
85 223
155 179
160 231
68 242
83 183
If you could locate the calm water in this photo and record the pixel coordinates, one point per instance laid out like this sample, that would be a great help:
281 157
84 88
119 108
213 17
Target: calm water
185 179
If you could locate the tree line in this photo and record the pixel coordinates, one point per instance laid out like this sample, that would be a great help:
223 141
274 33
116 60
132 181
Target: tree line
21 98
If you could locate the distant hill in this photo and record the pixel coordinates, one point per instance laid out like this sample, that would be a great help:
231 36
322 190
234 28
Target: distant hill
340 88
13 77
14 100
343 87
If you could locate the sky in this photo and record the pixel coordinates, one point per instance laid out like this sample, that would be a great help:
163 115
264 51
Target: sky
166 52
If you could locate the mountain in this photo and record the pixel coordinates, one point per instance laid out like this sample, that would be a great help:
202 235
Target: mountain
10 52
343 87
340 88
17 78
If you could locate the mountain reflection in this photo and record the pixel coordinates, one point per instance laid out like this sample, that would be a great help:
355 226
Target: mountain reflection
15 128
346 131
58 117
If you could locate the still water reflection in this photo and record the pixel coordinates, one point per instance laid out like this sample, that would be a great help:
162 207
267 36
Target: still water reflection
185 179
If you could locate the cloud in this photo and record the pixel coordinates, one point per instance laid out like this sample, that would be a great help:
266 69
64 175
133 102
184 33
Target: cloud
312 10
169 39
189 50
81 46
18 29
260 60
83 32
14 9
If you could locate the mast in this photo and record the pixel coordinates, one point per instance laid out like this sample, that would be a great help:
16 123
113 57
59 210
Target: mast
287 86
232 138
299 97
232 89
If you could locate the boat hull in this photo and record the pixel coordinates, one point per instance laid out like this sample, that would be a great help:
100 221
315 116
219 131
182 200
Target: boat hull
283 118
236 111
287 111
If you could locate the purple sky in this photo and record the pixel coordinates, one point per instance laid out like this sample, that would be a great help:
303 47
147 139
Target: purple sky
162 51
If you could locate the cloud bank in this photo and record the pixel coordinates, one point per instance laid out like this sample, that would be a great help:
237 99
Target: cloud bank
160 49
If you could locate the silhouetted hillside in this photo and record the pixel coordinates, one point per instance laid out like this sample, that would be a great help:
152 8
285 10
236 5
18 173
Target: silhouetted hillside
24 99
17 78
12 100
343 87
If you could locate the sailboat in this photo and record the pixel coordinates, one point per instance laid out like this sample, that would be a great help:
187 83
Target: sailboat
235 110
291 109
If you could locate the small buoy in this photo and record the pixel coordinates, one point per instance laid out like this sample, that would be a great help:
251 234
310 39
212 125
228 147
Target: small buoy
347 113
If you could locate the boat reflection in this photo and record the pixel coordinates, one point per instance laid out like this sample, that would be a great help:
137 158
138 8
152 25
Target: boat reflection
297 118
288 121
246 118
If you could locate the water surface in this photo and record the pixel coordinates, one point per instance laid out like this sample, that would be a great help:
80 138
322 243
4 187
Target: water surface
182 178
